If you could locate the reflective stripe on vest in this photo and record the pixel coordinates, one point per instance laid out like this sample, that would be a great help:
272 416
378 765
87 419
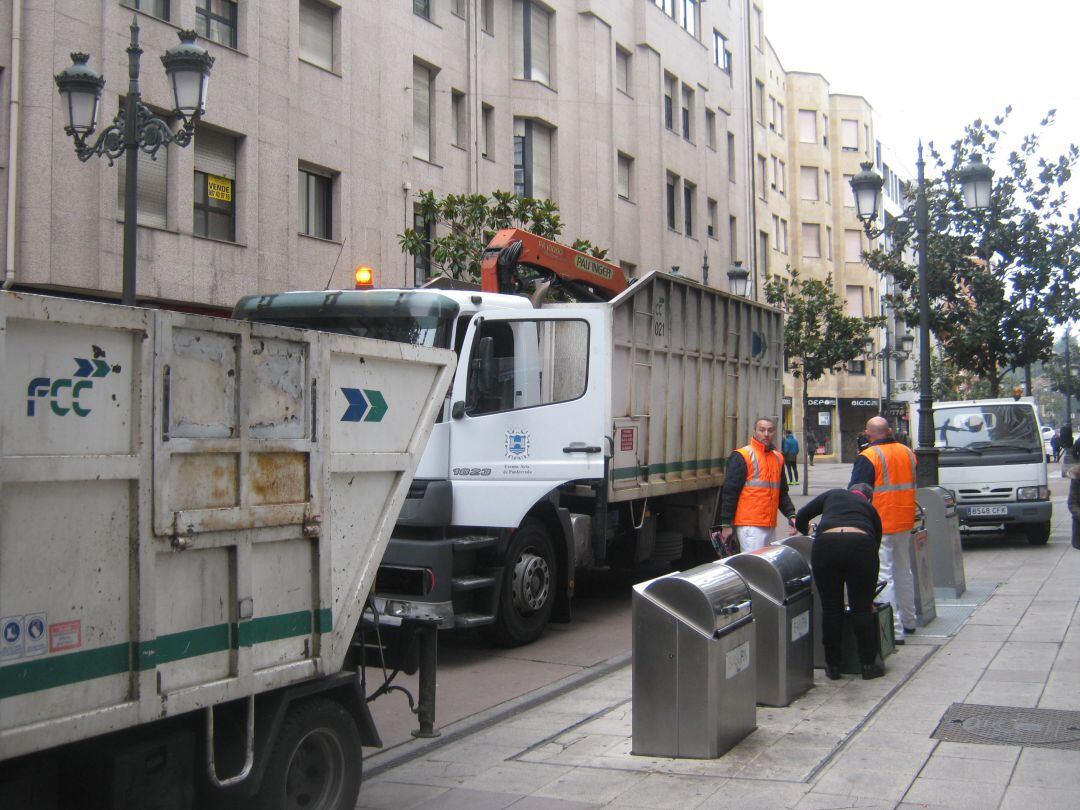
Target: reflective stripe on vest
760 496
886 485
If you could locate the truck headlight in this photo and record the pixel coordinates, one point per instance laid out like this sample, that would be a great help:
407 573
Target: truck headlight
1033 493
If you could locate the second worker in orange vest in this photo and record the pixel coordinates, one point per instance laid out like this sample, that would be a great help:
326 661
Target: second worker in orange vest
889 467
754 489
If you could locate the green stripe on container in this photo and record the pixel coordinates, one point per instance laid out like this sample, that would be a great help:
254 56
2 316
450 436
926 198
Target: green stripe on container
189 644
622 473
274 628
324 620
62 670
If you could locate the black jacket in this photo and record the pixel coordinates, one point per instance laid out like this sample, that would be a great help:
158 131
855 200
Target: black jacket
838 507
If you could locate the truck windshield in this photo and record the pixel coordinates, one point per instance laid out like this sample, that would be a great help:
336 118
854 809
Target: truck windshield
418 317
980 428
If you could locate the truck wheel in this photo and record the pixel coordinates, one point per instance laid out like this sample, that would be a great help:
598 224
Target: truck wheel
1038 534
528 587
315 762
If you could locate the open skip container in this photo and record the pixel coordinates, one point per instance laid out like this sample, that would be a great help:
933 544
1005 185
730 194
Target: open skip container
693 663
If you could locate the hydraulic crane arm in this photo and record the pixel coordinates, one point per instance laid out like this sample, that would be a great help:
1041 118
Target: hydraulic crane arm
513 248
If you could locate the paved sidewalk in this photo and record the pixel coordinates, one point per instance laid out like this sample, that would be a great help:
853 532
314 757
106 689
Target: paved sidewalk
852 743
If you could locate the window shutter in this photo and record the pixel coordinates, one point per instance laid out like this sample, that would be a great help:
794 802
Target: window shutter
215 153
808 126
541 153
317 34
518 38
541 34
849 134
421 112
151 190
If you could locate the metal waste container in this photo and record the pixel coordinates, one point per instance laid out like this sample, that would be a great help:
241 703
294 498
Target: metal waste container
943 534
692 692
921 575
779 581
802 544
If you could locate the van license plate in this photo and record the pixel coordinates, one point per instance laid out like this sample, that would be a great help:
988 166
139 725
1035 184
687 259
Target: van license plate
982 511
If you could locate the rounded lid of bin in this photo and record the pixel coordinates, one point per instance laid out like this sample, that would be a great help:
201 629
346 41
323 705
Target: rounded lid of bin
710 597
778 572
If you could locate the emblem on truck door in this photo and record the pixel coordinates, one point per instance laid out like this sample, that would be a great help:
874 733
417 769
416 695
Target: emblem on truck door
64 392
368 401
517 443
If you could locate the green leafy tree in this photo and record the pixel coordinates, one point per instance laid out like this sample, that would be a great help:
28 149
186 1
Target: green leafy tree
818 336
457 228
998 281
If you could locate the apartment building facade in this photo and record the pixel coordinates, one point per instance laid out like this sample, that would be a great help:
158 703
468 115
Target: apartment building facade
325 119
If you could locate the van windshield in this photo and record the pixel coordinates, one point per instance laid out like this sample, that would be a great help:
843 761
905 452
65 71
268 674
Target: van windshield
987 427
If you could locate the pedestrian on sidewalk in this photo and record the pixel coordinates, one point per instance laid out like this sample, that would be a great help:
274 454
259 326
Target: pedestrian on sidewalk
1074 504
790 448
889 467
811 446
845 553
754 489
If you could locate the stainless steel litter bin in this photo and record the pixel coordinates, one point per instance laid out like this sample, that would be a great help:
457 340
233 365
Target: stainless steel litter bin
779 581
802 544
692 692
943 534
922 576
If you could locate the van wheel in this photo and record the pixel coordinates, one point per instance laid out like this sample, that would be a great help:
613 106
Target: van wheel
1038 534
528 587
315 762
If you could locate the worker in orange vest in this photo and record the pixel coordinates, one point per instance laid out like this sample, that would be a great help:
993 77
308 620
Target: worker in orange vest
889 467
754 490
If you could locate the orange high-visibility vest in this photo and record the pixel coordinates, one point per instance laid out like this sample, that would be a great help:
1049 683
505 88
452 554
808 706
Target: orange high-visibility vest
894 485
760 496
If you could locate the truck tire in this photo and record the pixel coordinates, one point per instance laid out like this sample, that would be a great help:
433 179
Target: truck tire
1038 533
528 587
315 762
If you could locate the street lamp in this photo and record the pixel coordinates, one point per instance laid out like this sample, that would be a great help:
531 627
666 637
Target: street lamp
738 280
975 181
135 126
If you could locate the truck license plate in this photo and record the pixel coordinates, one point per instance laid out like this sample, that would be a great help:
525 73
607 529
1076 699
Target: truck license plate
985 511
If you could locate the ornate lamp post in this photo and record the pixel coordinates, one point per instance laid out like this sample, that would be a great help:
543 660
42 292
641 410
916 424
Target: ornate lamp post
976 180
135 127
738 280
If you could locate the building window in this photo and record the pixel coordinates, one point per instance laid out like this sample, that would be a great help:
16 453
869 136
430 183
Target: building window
763 253
532 38
155 8
151 188
457 114
710 129
807 126
317 34
759 30
733 237
532 159
487 16
422 262
828 243
783 236
689 15
670 85
315 203
721 52
423 88
731 156
776 116
689 199
687 112
714 219
824 130
622 70
761 175
849 135
852 246
487 131
667 6
458 8
828 188
759 102
215 185
849 195
629 269
625 175
811 240
808 183
776 231
672 191
779 175
216 20
422 8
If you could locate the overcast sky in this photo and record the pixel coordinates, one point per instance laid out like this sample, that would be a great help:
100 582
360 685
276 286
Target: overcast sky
928 67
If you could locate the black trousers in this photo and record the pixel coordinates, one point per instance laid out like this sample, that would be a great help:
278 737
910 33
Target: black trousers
851 559
791 465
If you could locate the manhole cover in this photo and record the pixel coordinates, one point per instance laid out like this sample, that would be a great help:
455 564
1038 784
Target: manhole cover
1009 725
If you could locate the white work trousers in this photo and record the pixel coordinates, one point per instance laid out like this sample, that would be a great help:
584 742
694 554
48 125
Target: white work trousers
752 538
895 558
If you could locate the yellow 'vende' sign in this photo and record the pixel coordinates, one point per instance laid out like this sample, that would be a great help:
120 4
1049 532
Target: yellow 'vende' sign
218 188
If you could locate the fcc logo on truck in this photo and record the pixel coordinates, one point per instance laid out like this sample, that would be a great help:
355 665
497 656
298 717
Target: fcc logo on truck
64 394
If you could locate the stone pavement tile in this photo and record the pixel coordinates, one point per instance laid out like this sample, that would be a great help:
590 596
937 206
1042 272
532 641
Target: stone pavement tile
825 801
524 778
954 793
912 718
864 754
461 799
786 763
1047 768
664 791
1068 658
574 748
965 770
435 774
1015 676
1061 692
540 803
470 750
982 632
585 784
881 782
988 753
380 794
1001 609
991 693
620 758
1022 797
1044 621
749 794
1025 655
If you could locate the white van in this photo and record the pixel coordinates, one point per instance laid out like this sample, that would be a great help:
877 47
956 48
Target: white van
992 458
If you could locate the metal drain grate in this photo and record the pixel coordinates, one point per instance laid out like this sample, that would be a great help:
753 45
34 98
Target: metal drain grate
1010 725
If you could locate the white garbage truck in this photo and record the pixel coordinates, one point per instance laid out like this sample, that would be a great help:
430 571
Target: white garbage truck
574 435
192 512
